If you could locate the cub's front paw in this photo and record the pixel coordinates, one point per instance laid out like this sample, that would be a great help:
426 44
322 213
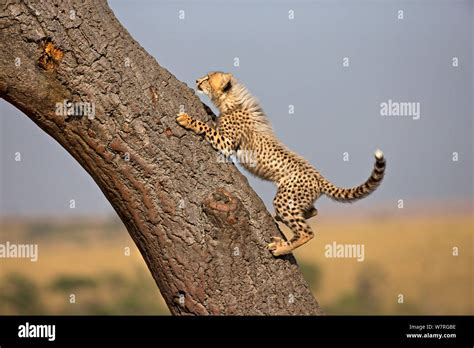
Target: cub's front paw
184 120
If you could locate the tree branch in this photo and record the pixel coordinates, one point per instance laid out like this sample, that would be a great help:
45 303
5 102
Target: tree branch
199 226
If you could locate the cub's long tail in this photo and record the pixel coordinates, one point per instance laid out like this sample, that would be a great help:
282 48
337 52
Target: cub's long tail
358 192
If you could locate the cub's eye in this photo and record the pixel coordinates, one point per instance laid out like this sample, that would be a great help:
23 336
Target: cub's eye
227 87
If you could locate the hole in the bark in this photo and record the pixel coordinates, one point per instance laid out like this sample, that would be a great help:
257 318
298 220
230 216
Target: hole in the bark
180 298
51 55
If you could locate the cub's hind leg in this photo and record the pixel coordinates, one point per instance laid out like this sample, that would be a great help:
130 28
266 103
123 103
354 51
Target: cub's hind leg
292 213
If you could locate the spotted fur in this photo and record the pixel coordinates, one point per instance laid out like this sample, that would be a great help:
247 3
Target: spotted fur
244 130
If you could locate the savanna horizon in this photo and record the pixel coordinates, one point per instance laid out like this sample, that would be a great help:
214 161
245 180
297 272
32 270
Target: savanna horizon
88 256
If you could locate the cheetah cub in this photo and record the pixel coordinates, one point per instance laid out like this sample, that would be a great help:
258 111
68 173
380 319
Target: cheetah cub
244 130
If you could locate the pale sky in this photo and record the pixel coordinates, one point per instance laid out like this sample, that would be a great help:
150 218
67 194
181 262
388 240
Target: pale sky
296 62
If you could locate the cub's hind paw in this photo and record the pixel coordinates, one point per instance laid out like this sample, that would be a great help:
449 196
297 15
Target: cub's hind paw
279 247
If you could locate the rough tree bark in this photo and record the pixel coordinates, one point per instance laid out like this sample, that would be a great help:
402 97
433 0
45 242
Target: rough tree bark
199 226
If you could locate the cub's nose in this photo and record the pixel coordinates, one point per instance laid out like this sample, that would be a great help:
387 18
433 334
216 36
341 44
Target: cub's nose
197 81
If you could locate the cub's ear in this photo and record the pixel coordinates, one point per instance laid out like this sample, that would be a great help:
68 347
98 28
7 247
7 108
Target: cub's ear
226 82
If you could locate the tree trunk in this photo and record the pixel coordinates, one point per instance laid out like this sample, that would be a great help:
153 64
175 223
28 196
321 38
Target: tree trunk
199 226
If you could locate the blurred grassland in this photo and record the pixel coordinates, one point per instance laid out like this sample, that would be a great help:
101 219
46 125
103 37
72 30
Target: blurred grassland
411 255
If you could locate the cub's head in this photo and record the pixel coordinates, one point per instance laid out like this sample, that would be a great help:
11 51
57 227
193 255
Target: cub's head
217 85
